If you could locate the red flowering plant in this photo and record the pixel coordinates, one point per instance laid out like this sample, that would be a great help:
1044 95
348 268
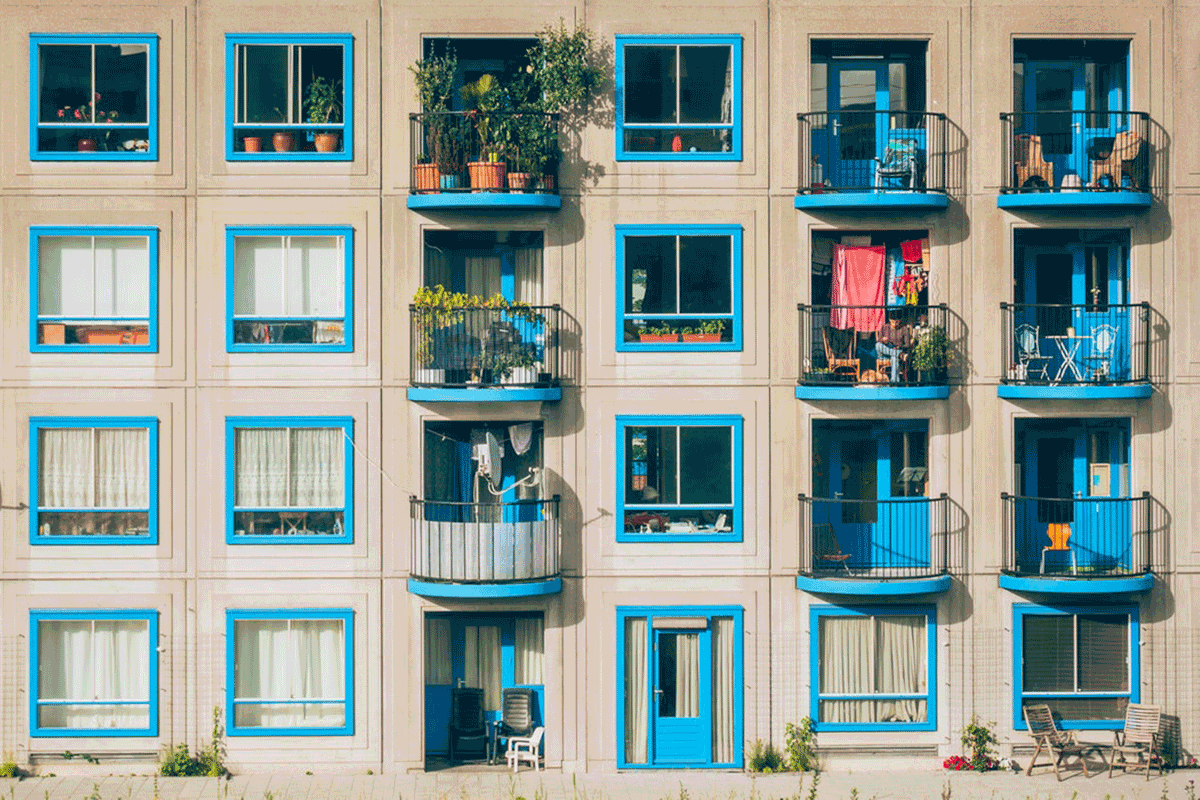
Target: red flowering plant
88 112
979 740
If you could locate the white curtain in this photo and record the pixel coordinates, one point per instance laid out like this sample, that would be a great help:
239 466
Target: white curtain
527 274
482 657
290 660
94 660
437 652
288 276
438 268
687 675
94 468
900 667
846 668
282 468
529 647
636 728
102 276
723 690
873 655
482 274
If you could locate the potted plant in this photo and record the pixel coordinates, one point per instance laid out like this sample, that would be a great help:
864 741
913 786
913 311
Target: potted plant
930 355
658 334
322 105
89 112
434 309
283 141
434 81
483 99
252 144
426 175
565 67
708 331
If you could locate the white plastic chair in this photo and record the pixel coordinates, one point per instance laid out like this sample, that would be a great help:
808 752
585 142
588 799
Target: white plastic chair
525 748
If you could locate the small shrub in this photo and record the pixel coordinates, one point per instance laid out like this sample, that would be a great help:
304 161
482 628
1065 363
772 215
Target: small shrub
9 769
800 746
764 757
178 762
978 740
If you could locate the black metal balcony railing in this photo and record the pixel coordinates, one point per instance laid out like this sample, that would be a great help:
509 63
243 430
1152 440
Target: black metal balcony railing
1065 151
872 151
839 345
469 151
1072 345
484 542
906 537
514 346
1082 536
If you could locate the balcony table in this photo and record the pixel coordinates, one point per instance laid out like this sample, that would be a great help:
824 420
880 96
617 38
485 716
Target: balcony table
1068 347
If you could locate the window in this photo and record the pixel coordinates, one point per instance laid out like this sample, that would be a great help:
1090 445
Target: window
290 289
93 673
93 480
93 98
1082 662
679 98
873 668
93 289
680 288
291 672
289 97
291 480
680 479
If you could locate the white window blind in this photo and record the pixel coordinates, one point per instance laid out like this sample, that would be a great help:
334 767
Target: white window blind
94 277
289 276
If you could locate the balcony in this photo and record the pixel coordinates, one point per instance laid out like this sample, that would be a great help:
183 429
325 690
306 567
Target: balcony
1081 546
1078 160
484 549
474 161
897 546
863 161
484 355
1075 351
840 360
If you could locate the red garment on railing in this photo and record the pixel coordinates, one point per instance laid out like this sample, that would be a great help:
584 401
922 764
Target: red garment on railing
858 280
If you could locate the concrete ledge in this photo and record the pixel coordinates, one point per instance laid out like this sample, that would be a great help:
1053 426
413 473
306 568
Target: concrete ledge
874 587
429 394
1078 584
1074 200
872 391
450 201
1083 391
484 590
873 201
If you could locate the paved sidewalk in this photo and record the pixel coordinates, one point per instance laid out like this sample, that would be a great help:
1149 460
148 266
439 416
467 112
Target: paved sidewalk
929 785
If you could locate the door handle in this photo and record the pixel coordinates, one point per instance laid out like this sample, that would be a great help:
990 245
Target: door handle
837 124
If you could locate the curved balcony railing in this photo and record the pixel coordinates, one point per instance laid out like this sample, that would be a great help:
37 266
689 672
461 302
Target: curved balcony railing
907 537
1080 151
1081 537
1075 345
484 543
469 151
516 346
872 151
838 346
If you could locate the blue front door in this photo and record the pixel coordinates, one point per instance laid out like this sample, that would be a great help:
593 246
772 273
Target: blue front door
682 698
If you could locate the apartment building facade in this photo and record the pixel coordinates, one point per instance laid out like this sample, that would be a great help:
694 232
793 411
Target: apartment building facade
841 369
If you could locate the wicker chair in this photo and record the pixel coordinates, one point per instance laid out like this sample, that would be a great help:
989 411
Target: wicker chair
1126 147
1029 163
847 364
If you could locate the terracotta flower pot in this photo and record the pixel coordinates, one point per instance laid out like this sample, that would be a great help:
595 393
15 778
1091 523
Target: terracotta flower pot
519 181
487 175
695 338
426 178
657 338
283 141
252 144
86 145
325 142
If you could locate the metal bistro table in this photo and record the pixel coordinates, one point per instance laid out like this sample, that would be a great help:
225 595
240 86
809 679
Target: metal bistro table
1068 347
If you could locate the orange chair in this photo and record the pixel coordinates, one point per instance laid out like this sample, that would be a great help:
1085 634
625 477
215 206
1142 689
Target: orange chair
1060 538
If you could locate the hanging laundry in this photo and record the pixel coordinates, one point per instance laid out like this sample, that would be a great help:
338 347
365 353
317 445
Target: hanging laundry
495 455
858 280
912 251
520 437
895 270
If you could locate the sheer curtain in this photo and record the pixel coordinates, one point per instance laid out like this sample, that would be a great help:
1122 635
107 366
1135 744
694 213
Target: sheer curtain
437 652
94 468
482 275
527 274
723 690
102 276
900 667
122 468
438 268
846 668
687 675
288 276
91 660
529 651
318 477
319 655
290 660
482 657
281 468
636 688
65 468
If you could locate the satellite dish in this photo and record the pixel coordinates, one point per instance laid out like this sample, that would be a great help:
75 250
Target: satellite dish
495 453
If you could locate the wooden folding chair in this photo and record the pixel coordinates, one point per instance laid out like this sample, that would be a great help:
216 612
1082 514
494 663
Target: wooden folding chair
826 547
1139 738
1057 744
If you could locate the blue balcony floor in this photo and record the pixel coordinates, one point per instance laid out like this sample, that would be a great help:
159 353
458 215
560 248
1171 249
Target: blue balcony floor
485 590
1078 391
501 201
437 394
868 201
1065 201
871 391
1083 584
867 586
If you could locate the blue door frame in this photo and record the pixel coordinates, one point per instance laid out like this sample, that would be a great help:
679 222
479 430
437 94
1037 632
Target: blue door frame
680 739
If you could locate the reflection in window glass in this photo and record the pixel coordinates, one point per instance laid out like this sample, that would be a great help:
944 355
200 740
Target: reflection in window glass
679 478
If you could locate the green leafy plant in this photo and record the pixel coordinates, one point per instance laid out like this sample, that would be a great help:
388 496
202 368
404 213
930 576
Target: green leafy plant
931 351
977 739
483 100
434 80
565 68
208 761
9 769
764 757
323 101
663 329
800 745
712 326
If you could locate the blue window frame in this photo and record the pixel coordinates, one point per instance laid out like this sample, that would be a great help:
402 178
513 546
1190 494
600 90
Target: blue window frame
1082 661
679 478
307 691
268 78
93 289
679 288
679 98
289 480
93 480
289 288
853 688
680 692
93 97
93 673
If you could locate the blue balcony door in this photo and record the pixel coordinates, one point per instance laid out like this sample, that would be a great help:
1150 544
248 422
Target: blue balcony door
682 696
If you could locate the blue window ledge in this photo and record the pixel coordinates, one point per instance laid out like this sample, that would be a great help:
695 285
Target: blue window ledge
872 391
1078 584
1081 200
426 394
301 130
874 587
1126 391
872 201
499 201
485 591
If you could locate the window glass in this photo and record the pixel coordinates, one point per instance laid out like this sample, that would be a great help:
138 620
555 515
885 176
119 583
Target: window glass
290 673
873 669
289 482
93 674
1077 663
289 290
679 479
93 99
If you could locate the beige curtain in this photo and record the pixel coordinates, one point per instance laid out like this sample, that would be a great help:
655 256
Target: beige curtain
636 728
482 275
687 675
438 271
723 689
846 668
94 468
527 274
529 651
900 667
483 662
437 652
